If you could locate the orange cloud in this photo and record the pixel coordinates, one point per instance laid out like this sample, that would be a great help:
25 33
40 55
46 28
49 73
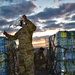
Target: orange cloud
41 42
1 34
39 45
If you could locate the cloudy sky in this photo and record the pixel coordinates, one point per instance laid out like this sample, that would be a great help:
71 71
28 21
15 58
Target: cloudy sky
49 16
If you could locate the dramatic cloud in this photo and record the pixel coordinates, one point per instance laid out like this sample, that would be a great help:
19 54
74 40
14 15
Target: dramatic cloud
14 10
69 25
49 22
53 26
3 22
49 13
73 18
11 9
6 0
64 10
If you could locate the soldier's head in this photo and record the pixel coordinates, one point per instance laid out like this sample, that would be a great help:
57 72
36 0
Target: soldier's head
22 21
24 17
41 49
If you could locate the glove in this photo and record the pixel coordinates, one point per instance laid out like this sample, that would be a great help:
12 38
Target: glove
5 33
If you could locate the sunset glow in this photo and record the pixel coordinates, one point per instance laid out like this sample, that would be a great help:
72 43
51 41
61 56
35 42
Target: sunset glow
49 16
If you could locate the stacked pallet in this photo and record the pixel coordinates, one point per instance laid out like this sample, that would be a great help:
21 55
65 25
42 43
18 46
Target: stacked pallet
6 57
63 44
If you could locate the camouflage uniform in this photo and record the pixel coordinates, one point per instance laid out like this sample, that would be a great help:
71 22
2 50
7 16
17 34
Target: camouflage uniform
26 53
39 59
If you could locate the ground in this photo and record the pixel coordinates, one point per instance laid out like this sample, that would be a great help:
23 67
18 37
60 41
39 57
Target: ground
41 72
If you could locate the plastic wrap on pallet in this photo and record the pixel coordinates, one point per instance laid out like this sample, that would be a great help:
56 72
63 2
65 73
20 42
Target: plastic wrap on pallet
69 42
3 65
64 41
60 50
63 54
70 55
71 66
67 66
60 56
61 41
73 41
62 37
3 48
61 34
6 44
6 47
61 67
68 47
3 39
3 57
4 72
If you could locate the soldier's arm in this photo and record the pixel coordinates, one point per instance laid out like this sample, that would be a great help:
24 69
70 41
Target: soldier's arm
11 37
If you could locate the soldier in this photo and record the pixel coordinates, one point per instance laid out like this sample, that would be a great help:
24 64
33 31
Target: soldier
39 59
26 53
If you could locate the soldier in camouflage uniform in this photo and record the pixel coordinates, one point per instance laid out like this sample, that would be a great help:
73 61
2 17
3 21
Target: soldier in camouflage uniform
39 59
26 53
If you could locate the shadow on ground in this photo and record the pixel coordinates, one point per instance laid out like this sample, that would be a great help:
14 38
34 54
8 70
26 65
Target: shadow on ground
41 72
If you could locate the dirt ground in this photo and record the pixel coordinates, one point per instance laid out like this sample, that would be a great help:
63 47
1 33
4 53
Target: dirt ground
41 72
